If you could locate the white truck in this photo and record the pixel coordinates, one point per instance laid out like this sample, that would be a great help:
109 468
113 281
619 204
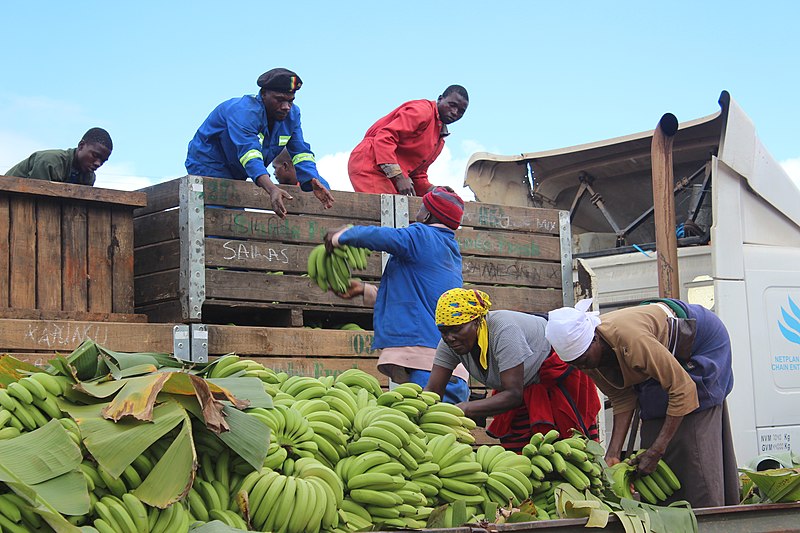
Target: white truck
738 223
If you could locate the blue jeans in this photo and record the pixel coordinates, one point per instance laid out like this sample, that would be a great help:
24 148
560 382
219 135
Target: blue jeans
457 390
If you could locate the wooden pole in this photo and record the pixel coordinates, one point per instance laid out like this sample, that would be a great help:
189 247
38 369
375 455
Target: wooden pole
664 206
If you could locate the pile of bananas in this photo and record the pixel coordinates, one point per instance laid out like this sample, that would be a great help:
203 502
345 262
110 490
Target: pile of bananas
332 270
555 461
653 488
29 403
508 475
344 456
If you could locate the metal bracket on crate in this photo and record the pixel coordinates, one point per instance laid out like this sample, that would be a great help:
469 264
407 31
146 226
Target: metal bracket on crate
394 214
387 221
565 238
190 342
192 285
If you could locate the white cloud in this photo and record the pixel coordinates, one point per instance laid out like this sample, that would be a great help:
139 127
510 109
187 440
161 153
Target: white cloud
122 176
449 169
14 148
446 170
333 167
792 167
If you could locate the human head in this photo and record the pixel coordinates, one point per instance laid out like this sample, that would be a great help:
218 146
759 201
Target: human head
570 330
277 91
460 317
284 169
443 205
452 103
93 150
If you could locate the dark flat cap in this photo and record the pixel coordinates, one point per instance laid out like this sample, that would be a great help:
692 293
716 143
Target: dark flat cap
280 80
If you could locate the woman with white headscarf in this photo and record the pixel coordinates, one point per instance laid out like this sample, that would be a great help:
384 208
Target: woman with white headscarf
534 390
673 360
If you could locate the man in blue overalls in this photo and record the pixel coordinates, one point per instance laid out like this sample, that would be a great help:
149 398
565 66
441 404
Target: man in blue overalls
243 135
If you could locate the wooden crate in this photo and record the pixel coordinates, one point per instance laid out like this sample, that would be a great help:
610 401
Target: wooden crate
308 352
195 263
67 251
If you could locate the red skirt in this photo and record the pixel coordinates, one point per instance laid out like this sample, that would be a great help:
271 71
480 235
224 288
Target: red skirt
565 399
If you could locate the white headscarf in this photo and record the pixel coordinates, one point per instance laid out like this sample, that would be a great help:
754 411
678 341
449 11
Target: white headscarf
570 330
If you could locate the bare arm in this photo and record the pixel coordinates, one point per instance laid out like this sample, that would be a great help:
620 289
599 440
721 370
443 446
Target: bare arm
647 462
509 397
276 194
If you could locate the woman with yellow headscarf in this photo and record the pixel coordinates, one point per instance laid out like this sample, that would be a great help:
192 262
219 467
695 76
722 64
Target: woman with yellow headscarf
534 391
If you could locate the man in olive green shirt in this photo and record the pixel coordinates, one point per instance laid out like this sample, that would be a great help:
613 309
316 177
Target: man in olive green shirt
76 165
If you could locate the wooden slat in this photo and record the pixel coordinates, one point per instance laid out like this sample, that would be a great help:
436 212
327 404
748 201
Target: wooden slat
73 222
48 254
349 205
122 260
159 313
511 272
98 267
509 244
85 316
156 227
22 252
69 191
227 284
65 336
155 288
290 342
271 256
5 251
503 217
160 196
256 225
522 299
158 257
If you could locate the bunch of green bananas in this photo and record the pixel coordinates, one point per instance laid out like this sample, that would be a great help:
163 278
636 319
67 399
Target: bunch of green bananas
30 403
565 459
16 514
460 473
291 431
307 500
332 270
508 475
232 365
653 488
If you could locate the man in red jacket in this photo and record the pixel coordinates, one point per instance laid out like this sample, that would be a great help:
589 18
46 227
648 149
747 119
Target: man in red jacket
397 150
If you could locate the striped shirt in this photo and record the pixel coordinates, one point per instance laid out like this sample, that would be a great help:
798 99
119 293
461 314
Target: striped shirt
514 338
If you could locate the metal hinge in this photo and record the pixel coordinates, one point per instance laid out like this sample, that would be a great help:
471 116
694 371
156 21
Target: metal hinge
190 342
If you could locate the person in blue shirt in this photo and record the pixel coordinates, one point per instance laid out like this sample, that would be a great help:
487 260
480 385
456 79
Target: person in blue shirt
243 135
425 262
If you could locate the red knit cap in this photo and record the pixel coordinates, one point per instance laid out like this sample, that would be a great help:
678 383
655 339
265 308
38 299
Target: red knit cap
447 206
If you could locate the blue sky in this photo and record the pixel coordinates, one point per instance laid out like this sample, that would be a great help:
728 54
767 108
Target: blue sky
541 75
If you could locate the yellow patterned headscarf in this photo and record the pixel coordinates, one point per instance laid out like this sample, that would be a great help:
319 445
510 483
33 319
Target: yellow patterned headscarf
459 306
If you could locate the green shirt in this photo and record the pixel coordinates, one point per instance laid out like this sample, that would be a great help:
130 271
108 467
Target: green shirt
52 165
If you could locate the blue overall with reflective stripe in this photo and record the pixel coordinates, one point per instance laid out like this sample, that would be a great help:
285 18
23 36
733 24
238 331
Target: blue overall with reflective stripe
234 142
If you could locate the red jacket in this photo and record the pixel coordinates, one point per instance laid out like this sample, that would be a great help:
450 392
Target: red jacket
409 136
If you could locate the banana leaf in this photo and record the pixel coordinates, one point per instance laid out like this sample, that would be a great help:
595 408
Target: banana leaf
248 436
12 369
137 397
249 389
42 468
173 475
115 445
779 485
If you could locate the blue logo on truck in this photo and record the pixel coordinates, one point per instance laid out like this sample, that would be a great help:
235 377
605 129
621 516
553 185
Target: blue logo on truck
791 330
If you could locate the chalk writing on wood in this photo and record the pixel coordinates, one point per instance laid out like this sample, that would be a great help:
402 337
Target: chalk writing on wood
242 251
65 336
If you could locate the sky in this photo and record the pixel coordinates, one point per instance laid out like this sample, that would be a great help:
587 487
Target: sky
541 75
